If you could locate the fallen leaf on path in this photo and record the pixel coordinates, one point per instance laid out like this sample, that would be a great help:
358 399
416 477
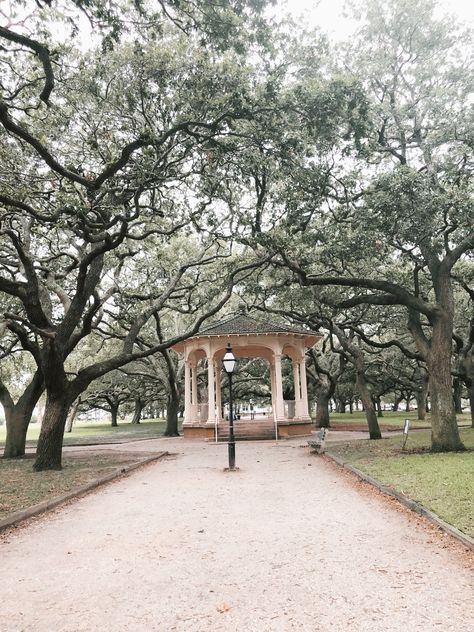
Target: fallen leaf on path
223 608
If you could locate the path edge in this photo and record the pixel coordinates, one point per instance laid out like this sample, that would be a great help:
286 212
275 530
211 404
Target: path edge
406 501
47 505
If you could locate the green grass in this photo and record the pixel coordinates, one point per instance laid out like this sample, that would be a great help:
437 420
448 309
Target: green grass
442 482
390 419
100 432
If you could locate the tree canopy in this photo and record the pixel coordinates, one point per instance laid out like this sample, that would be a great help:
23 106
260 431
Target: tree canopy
191 149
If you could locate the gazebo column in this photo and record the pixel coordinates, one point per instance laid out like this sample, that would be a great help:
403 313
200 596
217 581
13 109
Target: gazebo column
272 388
296 381
304 389
279 403
194 392
211 407
187 392
217 372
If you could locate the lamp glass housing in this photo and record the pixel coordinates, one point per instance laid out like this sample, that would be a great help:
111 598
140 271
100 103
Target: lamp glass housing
229 360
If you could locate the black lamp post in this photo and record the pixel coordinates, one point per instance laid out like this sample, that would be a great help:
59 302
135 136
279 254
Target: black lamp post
229 363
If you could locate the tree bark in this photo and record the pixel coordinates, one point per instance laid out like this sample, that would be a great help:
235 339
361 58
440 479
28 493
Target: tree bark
17 422
421 395
396 403
421 407
322 410
371 415
457 394
50 442
172 408
137 414
72 415
471 401
18 416
444 429
378 404
114 409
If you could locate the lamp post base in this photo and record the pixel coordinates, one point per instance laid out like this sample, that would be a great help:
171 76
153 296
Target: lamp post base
231 469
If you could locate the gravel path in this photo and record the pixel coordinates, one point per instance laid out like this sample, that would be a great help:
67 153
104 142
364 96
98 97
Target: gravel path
287 543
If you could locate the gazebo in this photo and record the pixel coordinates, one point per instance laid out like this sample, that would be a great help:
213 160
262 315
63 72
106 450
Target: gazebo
250 337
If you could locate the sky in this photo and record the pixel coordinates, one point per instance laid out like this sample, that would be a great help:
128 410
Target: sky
329 14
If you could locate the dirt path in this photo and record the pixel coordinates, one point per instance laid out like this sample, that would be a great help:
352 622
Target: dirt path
287 543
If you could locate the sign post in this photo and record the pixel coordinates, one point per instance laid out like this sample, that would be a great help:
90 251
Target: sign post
406 428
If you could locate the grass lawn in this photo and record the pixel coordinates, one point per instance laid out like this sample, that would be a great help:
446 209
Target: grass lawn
20 487
443 483
100 432
389 419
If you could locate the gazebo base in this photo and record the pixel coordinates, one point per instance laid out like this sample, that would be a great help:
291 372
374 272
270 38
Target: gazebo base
294 428
258 429
199 431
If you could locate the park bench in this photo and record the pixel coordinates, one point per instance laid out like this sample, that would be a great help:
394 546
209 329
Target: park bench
317 443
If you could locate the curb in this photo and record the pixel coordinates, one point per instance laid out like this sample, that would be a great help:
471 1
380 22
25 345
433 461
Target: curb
407 502
46 505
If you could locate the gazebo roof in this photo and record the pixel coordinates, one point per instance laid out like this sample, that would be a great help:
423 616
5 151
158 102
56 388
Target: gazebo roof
243 323
247 330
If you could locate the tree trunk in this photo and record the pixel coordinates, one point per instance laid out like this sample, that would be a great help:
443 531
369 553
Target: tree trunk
471 401
114 408
444 429
396 403
322 410
72 415
50 442
172 408
371 416
18 416
351 406
457 394
421 407
138 411
378 403
407 405
421 398
17 421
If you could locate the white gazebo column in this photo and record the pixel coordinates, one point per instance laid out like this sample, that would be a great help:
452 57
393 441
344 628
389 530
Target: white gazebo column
296 380
304 389
187 392
194 392
217 372
211 407
279 403
273 389
194 400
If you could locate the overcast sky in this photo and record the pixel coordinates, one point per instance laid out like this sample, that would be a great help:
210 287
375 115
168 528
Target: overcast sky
328 14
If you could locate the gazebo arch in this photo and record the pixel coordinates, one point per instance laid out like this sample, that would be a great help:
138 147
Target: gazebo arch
253 338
